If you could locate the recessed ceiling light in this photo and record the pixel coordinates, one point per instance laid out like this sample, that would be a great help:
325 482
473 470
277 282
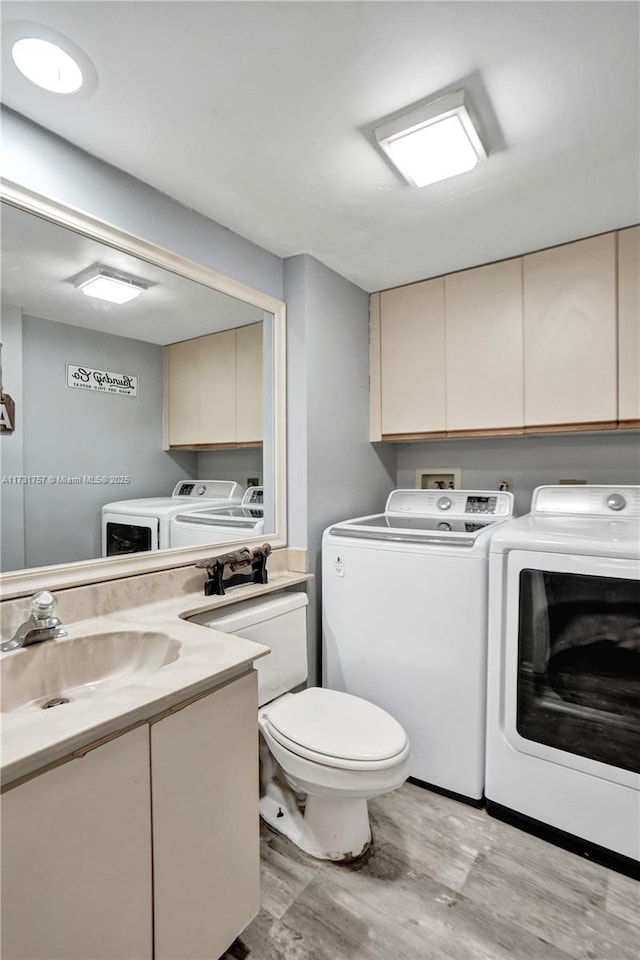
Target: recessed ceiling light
433 141
47 65
49 59
102 283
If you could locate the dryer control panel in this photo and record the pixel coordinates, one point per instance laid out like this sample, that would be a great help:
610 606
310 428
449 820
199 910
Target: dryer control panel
592 500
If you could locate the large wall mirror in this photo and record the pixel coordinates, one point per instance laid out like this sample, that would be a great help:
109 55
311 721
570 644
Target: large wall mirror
135 435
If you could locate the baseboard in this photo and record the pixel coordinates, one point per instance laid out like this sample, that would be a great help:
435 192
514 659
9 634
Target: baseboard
583 848
470 801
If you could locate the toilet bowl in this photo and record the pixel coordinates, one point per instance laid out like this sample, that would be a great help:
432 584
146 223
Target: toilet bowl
323 753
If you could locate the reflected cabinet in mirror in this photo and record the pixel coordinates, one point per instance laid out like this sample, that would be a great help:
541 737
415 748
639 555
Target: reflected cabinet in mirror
143 403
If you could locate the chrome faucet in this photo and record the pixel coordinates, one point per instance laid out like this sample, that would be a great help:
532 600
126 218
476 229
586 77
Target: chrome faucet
41 625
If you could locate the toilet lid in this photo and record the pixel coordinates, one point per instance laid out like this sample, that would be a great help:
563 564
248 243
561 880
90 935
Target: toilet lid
337 724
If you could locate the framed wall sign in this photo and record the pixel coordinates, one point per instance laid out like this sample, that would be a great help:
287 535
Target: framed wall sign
106 381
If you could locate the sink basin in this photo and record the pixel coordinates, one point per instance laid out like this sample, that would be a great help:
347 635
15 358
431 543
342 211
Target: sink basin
78 668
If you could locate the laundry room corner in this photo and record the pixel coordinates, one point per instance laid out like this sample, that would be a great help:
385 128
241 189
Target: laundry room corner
333 471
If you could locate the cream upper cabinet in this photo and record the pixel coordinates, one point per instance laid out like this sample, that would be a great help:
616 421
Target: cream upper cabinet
217 379
213 389
483 310
412 359
629 324
204 774
570 372
183 386
249 385
76 858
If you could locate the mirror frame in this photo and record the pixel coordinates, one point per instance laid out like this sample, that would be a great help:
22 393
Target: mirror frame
20 583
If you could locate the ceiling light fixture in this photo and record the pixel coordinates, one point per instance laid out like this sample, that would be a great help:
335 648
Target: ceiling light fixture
49 59
47 65
433 141
105 284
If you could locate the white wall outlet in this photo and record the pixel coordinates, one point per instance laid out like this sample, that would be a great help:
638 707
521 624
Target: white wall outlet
505 483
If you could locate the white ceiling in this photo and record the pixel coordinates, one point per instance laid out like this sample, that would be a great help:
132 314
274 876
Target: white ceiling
259 115
39 258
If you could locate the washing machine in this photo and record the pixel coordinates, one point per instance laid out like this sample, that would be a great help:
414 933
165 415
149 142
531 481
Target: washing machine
220 524
404 612
135 526
563 715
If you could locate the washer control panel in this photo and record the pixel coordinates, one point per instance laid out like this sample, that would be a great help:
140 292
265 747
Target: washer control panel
451 503
477 504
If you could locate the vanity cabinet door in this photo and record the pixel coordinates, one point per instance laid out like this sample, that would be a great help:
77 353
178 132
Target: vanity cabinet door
204 772
412 359
629 325
483 309
249 386
570 375
76 858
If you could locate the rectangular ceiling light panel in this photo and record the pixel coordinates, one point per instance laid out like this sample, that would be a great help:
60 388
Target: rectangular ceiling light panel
432 142
102 283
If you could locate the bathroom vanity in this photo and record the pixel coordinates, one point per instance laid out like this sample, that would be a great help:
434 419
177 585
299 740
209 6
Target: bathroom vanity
130 813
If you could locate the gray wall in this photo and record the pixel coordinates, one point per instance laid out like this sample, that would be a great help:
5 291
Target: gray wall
334 472
11 444
608 457
235 465
77 433
38 159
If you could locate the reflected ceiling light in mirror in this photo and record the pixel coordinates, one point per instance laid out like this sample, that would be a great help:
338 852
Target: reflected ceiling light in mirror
433 141
49 59
102 283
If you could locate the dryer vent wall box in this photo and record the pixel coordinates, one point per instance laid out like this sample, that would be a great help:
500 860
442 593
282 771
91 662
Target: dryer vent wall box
404 622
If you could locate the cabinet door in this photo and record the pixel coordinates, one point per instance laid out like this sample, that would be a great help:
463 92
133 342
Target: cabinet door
249 387
204 772
570 333
76 858
183 384
629 324
217 355
413 358
483 310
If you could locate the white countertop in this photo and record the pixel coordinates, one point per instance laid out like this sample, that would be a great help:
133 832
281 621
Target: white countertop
32 738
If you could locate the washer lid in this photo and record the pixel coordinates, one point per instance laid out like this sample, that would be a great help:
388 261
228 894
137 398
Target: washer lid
337 725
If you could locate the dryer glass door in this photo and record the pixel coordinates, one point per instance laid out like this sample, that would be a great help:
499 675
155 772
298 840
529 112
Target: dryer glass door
577 661
127 534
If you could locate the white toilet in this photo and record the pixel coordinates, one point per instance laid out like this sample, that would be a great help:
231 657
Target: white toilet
323 753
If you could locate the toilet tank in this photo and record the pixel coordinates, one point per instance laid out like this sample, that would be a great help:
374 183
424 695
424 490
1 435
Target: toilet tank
278 622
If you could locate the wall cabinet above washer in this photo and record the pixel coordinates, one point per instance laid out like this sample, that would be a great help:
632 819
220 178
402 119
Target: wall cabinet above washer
526 345
413 347
213 390
484 353
570 334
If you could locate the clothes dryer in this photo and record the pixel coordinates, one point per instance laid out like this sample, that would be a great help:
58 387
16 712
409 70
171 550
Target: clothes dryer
563 718
135 526
405 623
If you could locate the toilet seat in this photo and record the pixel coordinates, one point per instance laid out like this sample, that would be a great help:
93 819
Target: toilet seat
337 729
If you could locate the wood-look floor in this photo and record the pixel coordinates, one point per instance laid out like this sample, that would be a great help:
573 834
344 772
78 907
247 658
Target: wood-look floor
445 882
